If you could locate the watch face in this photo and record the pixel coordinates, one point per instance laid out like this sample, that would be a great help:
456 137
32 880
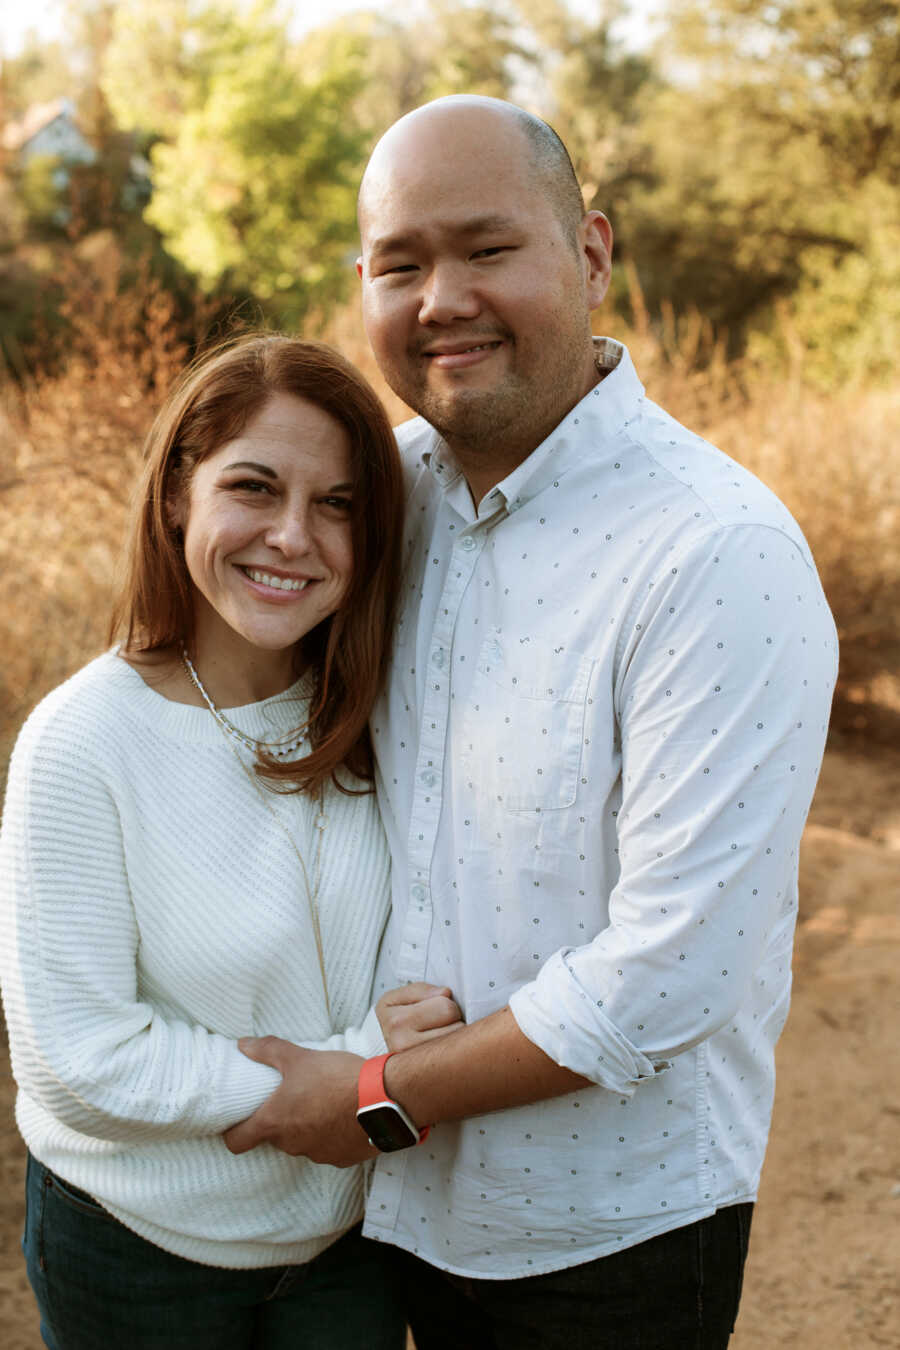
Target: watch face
386 1128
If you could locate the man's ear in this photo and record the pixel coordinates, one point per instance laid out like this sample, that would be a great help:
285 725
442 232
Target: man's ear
596 241
359 266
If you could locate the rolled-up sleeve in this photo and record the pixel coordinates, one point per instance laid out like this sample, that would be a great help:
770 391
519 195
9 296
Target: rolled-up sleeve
724 679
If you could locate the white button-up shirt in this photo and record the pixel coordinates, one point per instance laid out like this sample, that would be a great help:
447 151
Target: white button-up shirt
602 731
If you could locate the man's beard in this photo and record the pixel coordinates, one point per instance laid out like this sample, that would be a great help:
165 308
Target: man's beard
478 420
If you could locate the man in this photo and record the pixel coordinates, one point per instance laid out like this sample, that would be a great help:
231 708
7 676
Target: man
605 718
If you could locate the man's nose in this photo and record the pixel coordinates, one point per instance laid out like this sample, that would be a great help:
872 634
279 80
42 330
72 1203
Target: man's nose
448 293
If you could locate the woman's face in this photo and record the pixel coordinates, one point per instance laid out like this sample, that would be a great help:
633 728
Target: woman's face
266 521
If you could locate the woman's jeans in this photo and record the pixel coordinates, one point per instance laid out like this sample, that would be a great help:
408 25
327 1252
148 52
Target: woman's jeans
677 1291
101 1287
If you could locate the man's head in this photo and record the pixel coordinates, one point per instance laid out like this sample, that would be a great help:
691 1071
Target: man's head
480 270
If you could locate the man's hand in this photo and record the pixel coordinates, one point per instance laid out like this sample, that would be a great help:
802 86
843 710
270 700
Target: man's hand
415 1013
313 1112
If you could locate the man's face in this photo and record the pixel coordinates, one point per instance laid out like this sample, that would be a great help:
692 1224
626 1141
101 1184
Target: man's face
475 301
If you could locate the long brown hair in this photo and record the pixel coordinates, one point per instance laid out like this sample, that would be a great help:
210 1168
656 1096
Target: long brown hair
347 652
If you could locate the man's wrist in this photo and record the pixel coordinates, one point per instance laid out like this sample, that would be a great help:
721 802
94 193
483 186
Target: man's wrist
387 1125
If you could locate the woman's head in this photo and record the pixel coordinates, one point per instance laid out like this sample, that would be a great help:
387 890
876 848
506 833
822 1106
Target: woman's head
266 524
238 394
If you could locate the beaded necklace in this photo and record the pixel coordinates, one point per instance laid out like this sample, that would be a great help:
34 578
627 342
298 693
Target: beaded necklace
277 749
280 749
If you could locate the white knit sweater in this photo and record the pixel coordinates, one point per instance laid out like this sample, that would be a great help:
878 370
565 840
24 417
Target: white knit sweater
151 912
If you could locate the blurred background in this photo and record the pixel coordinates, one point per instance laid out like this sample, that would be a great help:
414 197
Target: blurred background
173 169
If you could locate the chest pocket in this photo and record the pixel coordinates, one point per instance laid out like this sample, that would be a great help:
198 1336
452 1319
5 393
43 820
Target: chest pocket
523 727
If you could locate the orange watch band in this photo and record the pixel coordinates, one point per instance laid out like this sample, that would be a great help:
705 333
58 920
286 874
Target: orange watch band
372 1090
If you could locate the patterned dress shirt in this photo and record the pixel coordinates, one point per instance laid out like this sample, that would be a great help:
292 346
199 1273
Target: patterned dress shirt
603 726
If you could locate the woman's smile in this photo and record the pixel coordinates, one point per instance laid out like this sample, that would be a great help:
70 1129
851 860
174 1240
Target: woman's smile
267 530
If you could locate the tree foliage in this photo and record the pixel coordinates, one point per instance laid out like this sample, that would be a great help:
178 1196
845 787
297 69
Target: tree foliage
750 163
772 193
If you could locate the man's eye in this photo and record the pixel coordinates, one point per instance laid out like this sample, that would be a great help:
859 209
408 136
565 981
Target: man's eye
491 252
394 268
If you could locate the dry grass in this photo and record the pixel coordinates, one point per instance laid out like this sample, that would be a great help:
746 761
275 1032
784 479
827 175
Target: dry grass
70 445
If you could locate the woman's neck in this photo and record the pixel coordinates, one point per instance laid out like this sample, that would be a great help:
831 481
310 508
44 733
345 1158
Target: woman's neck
233 679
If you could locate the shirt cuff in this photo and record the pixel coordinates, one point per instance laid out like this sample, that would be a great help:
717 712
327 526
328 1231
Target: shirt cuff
559 1016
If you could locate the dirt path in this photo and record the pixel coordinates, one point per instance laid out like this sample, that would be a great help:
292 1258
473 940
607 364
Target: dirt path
825 1250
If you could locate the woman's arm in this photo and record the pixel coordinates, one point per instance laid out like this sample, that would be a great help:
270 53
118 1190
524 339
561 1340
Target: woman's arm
84 1045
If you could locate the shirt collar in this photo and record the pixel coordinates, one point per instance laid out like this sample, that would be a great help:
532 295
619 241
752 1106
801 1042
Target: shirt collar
586 428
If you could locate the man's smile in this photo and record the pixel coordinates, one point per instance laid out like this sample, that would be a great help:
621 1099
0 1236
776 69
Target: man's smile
455 355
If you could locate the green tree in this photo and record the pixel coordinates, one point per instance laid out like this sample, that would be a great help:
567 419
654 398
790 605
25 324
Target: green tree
254 174
589 90
40 72
163 57
772 197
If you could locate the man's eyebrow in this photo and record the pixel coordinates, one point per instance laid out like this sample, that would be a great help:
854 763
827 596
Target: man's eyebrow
486 224
254 468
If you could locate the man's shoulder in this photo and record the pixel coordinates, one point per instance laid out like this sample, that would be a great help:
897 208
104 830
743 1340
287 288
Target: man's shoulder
414 439
702 483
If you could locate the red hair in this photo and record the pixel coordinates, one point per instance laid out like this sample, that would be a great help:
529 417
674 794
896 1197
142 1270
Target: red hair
347 652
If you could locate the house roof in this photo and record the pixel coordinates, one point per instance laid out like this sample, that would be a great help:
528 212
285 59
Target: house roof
16 135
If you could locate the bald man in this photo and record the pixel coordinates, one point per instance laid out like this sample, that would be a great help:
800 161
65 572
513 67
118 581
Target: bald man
605 718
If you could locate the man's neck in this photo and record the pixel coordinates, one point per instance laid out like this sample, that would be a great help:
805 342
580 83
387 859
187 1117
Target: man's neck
484 465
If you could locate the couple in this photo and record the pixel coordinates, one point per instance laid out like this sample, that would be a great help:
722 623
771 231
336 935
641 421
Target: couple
593 691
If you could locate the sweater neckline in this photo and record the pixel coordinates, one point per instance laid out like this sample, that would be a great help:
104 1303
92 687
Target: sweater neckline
272 718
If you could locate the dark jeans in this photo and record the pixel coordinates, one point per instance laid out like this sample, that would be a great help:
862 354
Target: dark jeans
678 1291
101 1287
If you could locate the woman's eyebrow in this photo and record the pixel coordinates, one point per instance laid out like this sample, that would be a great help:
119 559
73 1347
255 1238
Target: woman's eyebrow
254 468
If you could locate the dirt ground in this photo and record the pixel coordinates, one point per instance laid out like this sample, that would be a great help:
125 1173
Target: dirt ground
825 1249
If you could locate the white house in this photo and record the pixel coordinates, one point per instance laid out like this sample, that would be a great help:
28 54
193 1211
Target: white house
49 129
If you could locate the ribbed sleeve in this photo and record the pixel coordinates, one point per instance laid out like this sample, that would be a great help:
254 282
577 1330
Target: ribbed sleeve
153 910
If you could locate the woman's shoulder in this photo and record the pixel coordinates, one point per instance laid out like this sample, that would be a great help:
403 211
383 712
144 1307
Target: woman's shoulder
80 713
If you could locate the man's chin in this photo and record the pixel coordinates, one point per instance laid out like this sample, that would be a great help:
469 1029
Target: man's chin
471 415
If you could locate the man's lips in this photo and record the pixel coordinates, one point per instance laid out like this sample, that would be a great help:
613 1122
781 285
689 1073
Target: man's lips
456 355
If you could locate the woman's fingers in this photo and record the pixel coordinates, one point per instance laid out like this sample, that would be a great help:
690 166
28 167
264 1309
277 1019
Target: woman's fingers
417 1012
414 992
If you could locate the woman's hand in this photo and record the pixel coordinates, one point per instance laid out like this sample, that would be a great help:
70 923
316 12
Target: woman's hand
415 1013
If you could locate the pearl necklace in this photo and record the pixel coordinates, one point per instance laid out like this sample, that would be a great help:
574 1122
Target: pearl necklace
277 749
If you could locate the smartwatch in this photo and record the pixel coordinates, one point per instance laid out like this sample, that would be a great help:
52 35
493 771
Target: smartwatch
385 1122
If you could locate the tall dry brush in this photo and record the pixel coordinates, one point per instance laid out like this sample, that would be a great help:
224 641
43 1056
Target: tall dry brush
70 448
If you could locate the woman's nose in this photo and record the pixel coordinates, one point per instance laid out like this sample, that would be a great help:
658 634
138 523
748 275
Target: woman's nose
290 532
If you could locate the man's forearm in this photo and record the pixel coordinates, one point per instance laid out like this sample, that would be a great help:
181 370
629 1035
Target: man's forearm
483 1067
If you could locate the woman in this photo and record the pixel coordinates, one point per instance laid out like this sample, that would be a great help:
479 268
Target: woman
191 853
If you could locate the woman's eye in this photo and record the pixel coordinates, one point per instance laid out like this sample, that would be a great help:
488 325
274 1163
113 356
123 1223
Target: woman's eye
338 503
251 485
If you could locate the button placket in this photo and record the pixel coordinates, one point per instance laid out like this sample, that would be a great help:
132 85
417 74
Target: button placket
429 772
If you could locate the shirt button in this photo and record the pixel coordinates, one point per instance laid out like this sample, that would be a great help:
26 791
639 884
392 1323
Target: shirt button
418 892
467 542
428 777
438 658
